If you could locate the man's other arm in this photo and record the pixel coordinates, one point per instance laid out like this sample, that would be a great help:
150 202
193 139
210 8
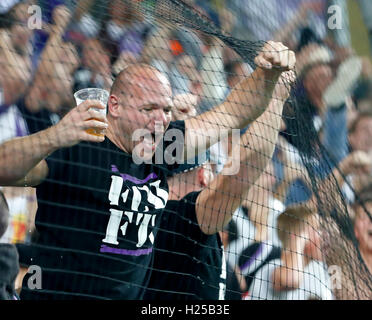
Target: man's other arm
246 101
216 204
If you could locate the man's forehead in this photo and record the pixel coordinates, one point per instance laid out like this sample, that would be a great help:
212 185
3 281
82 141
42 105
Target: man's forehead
151 88
149 78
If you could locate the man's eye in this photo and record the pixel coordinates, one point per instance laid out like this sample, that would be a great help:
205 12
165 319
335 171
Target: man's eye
168 110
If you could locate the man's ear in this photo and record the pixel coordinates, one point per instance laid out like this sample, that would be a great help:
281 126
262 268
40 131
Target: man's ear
113 106
203 177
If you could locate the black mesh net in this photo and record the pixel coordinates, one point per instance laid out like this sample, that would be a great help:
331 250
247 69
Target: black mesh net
252 192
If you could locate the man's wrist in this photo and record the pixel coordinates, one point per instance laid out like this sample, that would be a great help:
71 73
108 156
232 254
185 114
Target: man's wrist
272 75
51 139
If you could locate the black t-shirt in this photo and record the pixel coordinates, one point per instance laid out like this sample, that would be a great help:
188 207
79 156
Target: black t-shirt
188 264
98 215
37 121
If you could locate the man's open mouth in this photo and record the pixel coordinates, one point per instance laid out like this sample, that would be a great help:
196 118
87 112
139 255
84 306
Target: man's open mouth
148 141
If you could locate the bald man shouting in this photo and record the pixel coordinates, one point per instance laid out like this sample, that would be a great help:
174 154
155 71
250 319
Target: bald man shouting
99 207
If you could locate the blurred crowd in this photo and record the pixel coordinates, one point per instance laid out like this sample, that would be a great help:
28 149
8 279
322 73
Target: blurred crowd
89 44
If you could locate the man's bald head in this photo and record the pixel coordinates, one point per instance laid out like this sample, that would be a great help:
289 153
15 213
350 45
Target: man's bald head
135 76
140 99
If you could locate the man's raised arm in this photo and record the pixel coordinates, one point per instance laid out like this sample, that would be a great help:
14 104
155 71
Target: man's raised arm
216 204
22 159
246 101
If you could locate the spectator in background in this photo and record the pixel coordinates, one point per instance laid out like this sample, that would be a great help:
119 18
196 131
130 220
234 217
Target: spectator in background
362 95
359 142
363 224
178 54
263 286
188 263
336 246
360 132
50 12
8 257
296 275
124 21
47 97
47 100
315 75
56 49
326 94
328 80
256 223
15 51
87 20
286 16
95 69
50 91
213 78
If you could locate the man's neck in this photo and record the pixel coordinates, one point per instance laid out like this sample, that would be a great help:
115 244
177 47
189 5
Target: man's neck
176 192
114 138
179 187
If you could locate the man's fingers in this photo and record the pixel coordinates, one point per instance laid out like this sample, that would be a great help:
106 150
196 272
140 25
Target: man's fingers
95 114
87 104
276 54
271 52
291 60
261 62
284 59
92 138
94 124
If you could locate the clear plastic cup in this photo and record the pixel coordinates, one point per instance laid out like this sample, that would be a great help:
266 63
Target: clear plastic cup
93 94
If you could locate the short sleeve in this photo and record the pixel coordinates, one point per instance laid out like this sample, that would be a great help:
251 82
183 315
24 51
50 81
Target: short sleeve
183 215
57 164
